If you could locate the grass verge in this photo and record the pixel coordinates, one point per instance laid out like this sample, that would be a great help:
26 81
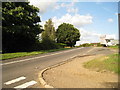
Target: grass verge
109 63
114 47
21 54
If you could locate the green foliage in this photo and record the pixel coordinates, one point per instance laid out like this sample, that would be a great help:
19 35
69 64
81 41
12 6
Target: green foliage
67 34
61 45
109 63
48 36
18 54
48 44
114 47
19 26
49 31
90 44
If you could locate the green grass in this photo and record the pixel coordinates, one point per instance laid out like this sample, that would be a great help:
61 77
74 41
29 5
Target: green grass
109 63
114 47
21 54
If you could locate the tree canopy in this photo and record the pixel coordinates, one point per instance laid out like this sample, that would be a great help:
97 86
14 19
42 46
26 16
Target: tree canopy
67 34
48 35
20 26
49 31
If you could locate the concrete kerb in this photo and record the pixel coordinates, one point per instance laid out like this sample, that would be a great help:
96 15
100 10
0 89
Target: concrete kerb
40 76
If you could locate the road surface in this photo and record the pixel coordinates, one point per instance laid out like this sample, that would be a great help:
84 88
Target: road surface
23 72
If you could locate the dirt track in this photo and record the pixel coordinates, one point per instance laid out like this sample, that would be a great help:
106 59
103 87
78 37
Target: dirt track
74 75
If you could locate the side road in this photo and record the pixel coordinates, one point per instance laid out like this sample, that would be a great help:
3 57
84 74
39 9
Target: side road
73 75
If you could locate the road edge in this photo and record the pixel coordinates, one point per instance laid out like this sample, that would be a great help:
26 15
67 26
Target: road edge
40 75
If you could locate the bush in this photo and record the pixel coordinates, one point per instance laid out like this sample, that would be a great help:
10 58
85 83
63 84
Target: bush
91 44
61 45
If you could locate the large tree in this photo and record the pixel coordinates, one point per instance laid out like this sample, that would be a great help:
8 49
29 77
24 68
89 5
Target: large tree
20 26
48 35
49 31
67 34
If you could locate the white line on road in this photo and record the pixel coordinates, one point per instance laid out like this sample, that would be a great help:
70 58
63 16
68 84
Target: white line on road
15 80
38 57
88 51
27 84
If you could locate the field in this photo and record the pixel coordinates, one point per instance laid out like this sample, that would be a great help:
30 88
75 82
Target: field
107 63
114 47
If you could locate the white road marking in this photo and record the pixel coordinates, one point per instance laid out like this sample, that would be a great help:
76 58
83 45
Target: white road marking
27 84
38 57
88 51
15 80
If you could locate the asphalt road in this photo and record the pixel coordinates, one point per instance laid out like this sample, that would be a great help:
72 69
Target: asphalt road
23 72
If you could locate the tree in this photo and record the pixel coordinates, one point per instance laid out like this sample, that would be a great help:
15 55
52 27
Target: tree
48 35
49 31
20 26
67 34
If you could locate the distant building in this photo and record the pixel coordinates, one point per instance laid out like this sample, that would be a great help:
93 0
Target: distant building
108 40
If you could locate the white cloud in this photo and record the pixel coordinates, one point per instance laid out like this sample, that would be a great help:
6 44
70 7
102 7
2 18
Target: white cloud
57 6
98 2
110 20
91 37
77 20
69 7
110 36
88 37
43 5
72 10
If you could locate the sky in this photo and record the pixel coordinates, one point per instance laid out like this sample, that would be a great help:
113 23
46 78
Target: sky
92 19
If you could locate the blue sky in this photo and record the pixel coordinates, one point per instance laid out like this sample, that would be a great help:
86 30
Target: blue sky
91 18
